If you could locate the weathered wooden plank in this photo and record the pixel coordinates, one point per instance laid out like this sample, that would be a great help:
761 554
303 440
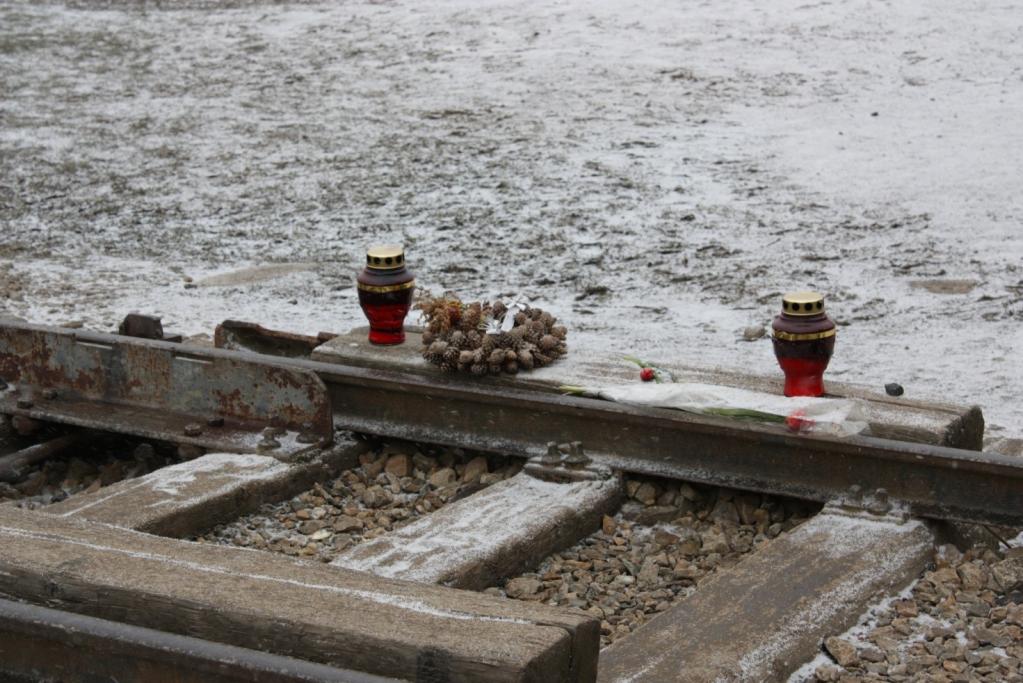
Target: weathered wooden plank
41 644
760 620
191 496
901 419
502 530
289 607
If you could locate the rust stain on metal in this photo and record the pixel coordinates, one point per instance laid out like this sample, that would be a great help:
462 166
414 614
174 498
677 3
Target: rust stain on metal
108 382
84 382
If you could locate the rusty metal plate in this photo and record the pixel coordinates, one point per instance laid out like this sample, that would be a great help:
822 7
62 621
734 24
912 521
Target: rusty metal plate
155 389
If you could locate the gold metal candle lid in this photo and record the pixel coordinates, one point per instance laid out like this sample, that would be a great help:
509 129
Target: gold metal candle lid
803 303
385 256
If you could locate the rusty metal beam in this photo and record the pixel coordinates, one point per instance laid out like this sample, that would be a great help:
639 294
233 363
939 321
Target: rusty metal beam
217 400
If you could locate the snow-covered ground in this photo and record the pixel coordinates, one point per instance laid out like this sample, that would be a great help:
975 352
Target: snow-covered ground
655 173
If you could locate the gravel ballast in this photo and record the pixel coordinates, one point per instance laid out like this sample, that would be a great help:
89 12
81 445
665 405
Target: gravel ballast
961 622
391 487
84 469
654 552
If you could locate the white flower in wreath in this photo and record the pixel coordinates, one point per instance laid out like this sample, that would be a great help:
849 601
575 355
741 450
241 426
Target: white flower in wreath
491 326
519 303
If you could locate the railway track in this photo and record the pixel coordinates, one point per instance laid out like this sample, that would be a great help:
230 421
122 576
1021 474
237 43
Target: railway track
240 431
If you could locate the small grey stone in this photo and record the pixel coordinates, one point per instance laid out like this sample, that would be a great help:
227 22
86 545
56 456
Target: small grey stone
398 465
754 333
725 511
1008 574
522 587
443 477
311 527
688 492
649 516
973 575
376 496
843 651
646 493
474 469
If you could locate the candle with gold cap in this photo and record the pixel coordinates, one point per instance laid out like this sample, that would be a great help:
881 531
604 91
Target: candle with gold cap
385 293
804 339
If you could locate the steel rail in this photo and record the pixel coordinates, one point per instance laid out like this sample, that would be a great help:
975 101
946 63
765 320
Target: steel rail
929 481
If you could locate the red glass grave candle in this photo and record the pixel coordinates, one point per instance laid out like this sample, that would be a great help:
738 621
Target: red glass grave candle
804 339
385 293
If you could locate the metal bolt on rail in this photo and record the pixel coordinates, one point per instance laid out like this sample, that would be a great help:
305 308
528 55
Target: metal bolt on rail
576 457
307 435
879 503
269 443
552 458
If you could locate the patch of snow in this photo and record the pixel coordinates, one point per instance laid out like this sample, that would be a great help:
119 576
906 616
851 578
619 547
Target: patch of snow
656 175
169 480
839 535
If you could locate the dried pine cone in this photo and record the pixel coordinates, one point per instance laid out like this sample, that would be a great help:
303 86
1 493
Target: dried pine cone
504 340
454 336
435 352
472 316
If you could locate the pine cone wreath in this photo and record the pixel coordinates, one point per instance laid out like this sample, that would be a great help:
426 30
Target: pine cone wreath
468 337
